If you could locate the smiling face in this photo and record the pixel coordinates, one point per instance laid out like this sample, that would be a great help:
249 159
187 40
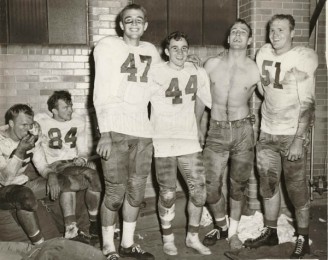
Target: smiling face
177 51
239 36
281 36
63 111
133 24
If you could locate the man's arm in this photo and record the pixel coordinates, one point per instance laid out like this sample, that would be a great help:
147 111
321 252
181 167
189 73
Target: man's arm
10 167
305 80
199 112
46 171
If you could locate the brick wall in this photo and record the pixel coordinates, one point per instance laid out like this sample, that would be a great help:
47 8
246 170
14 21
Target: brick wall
29 73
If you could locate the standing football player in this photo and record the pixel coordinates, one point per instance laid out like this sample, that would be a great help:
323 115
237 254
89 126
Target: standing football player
176 85
121 99
288 84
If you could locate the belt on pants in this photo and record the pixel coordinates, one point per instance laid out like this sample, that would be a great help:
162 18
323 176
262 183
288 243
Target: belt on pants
232 124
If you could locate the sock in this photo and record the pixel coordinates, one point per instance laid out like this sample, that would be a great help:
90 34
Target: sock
128 234
71 230
93 217
233 227
37 238
222 223
108 239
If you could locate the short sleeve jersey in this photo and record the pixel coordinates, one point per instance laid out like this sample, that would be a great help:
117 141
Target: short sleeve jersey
287 80
173 108
120 94
62 140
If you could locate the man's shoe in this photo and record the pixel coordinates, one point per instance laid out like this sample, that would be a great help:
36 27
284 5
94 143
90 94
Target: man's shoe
81 237
215 234
136 252
112 256
302 247
268 237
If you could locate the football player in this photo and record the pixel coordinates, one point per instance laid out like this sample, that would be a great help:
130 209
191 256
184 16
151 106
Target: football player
175 85
120 98
287 76
233 80
65 145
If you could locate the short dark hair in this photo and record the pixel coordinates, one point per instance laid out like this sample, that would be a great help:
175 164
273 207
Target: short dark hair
57 95
13 111
133 7
287 17
242 21
177 35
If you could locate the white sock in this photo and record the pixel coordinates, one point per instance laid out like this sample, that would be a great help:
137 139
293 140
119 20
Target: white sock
233 227
169 247
128 234
71 230
108 239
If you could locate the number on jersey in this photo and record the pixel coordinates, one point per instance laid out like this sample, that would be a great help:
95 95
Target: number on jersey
176 93
56 141
129 66
265 79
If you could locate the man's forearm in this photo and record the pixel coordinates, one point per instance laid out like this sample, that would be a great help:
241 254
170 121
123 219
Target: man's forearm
305 120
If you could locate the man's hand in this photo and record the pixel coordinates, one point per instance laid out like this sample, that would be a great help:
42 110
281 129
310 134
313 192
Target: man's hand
79 161
25 144
104 146
53 186
201 138
194 59
295 150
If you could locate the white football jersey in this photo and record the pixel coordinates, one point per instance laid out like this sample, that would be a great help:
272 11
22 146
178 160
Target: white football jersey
287 81
120 93
12 168
173 108
63 140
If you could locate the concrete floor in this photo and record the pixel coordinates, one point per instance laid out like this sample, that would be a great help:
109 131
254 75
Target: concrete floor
149 237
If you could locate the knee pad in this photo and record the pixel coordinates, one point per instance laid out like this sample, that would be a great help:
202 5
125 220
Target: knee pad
237 189
26 199
167 198
306 206
114 197
198 195
166 214
213 195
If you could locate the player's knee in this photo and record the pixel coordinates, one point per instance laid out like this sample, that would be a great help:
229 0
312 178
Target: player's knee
114 203
237 189
26 199
198 195
167 198
213 195
303 206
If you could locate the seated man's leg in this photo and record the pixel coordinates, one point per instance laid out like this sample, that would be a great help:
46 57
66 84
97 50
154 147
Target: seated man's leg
193 171
140 156
115 171
73 179
166 174
24 202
